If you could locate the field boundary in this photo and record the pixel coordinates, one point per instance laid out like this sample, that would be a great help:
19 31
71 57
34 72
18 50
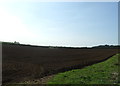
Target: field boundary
45 79
45 74
102 73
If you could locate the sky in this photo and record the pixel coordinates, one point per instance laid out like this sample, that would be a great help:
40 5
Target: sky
77 24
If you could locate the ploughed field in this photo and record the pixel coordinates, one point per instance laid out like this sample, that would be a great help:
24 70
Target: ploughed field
21 62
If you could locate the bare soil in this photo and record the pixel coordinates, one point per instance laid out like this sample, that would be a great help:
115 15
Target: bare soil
23 63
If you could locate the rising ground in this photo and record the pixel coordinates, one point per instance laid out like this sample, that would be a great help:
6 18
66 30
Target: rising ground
24 62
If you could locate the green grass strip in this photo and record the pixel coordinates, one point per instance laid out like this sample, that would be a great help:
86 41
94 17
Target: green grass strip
102 73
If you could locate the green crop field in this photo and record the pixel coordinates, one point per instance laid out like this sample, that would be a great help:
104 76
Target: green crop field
102 73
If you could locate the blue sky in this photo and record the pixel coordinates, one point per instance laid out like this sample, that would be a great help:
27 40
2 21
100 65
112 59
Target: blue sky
59 23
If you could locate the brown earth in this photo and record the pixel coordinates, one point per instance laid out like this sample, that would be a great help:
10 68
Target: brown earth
22 63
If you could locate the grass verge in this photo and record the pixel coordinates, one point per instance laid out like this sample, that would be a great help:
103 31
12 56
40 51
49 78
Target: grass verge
102 73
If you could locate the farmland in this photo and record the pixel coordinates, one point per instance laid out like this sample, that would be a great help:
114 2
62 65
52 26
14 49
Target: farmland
24 62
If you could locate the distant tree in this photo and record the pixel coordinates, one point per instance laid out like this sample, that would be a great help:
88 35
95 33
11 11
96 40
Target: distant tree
16 42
